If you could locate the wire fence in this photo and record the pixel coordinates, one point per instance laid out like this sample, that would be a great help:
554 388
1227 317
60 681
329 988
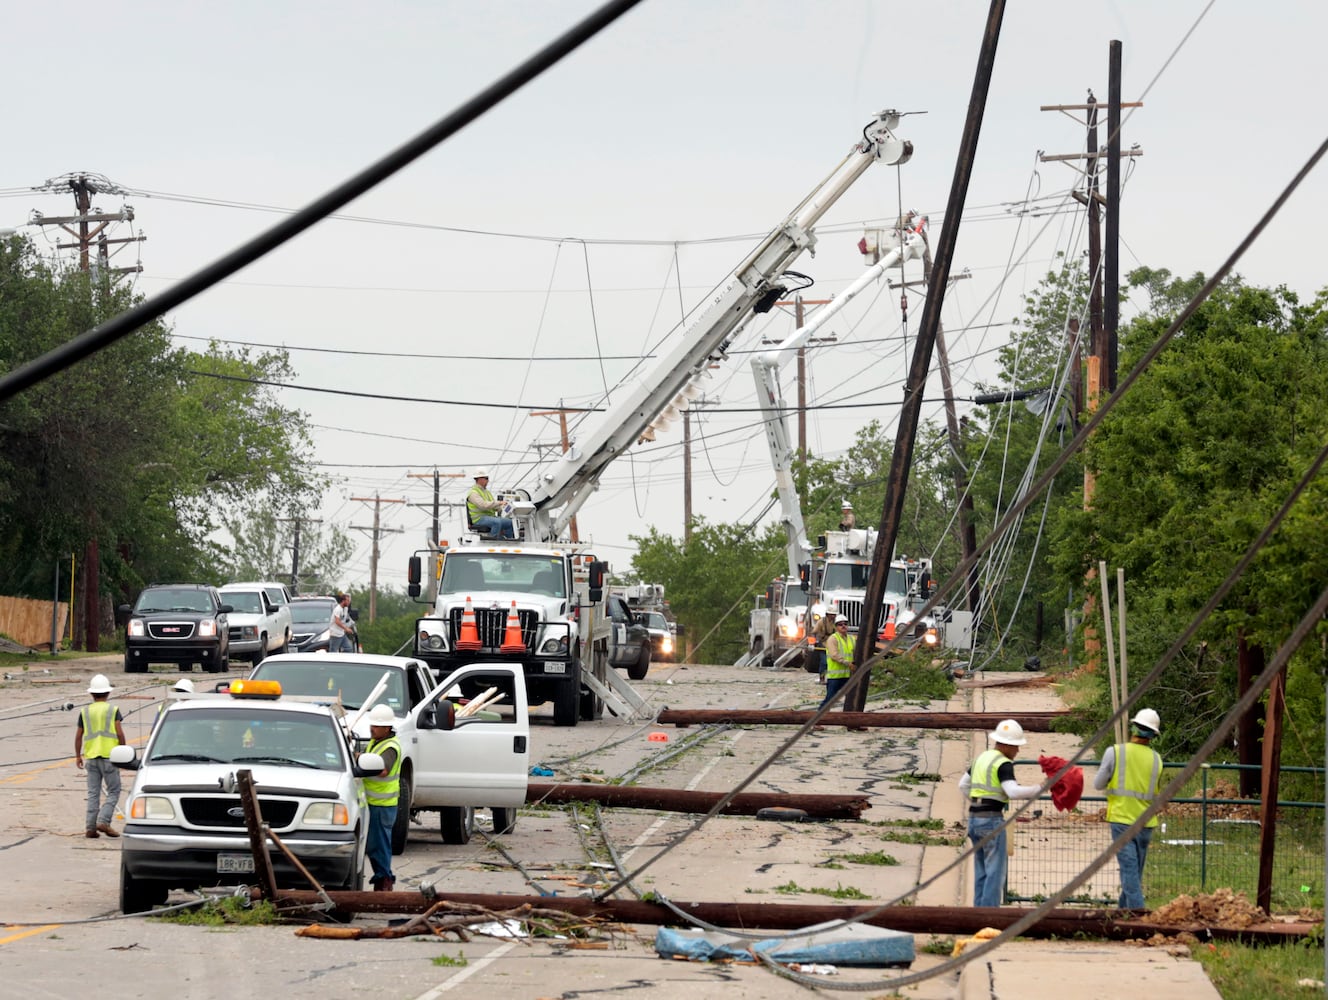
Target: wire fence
1201 843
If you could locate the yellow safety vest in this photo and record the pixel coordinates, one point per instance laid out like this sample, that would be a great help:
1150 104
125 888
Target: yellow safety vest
473 510
983 780
383 791
1134 783
834 669
99 735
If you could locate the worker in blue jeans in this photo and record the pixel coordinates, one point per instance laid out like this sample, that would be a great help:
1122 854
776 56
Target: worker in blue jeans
1131 774
382 791
989 785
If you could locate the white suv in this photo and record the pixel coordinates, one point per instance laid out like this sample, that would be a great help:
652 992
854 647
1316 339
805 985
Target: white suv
260 619
184 823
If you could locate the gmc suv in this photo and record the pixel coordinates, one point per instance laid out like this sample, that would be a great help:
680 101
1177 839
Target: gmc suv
180 623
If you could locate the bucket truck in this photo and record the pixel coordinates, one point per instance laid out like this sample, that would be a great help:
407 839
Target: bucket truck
566 642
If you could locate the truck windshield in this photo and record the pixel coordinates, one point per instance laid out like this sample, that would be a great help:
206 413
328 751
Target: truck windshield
351 682
653 619
225 735
245 601
509 572
853 576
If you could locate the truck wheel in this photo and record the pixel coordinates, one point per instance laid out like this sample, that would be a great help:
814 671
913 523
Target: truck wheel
134 668
638 670
811 663
139 895
260 653
457 823
401 828
567 697
504 819
592 706
214 662
285 644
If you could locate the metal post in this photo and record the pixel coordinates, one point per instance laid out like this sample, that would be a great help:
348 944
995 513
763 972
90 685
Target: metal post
1203 830
55 611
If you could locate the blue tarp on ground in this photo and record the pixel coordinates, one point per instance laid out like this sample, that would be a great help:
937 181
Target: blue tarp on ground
845 944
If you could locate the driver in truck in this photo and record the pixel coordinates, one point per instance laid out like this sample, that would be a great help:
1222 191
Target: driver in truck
482 509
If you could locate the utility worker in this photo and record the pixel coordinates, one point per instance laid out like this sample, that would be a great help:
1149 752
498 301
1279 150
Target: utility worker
839 657
482 508
99 729
1131 774
185 686
382 791
821 633
846 518
989 785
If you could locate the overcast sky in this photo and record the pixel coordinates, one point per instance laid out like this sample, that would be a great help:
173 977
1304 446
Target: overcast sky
583 216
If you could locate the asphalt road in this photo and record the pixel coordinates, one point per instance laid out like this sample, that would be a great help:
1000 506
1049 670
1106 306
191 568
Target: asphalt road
63 935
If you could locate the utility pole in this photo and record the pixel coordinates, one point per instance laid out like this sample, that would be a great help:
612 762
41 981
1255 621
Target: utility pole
799 321
687 466
375 533
567 446
436 476
295 547
84 186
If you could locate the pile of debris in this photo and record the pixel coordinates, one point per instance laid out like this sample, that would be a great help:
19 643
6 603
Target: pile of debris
1222 908
465 921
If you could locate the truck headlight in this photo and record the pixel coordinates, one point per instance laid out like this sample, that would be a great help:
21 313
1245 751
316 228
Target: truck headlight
151 807
249 632
327 814
666 644
554 647
135 627
208 628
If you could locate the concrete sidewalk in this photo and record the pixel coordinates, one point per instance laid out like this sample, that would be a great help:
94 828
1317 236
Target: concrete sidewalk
1048 970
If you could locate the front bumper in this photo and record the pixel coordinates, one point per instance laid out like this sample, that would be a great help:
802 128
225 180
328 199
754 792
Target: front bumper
158 651
188 859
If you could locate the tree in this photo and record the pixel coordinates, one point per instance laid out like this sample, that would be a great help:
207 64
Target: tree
262 550
1190 465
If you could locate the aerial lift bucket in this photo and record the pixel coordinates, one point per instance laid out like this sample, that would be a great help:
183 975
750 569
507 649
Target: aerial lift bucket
512 640
470 634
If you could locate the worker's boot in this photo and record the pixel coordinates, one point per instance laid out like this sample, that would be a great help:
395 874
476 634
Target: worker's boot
387 885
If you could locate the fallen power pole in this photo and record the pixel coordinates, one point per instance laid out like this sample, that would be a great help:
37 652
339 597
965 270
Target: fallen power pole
1064 922
1036 722
816 806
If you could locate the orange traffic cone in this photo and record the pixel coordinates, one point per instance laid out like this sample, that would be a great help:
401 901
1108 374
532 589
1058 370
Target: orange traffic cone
890 623
470 635
512 640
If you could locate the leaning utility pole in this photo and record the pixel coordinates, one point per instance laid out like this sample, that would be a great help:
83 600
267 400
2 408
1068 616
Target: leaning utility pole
375 533
911 412
437 497
295 548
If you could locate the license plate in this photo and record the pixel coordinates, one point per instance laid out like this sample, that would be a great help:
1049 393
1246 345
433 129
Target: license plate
555 668
240 864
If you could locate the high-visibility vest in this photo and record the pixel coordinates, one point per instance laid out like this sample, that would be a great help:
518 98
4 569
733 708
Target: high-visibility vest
383 791
983 777
99 735
1134 783
839 657
473 510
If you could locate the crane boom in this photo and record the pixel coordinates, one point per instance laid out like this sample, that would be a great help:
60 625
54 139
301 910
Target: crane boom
753 287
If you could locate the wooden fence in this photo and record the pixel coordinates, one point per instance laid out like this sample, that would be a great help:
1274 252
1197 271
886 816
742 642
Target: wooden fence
28 622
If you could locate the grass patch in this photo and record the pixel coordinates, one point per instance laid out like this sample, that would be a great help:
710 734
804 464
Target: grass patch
870 858
839 892
229 910
910 677
1269 972
938 946
451 962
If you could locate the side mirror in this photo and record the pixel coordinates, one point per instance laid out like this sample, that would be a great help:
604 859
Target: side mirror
440 715
225 609
805 577
369 765
123 609
598 570
125 757
414 573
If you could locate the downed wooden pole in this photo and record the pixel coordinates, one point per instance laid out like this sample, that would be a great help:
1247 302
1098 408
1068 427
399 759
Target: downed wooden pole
1064 922
816 806
1033 722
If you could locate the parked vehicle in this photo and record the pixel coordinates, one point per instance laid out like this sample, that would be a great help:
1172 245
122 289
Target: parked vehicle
661 635
178 623
310 618
185 826
484 763
258 625
629 645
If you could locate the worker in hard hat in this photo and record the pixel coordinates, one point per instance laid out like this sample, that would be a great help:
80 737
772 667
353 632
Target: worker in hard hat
184 686
839 658
99 730
989 785
846 518
1131 775
382 791
483 509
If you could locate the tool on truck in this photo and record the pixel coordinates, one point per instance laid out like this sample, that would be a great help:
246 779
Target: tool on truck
564 640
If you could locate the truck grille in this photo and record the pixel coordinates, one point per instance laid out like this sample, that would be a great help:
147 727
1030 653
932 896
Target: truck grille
297 638
171 630
235 634
852 610
217 812
492 624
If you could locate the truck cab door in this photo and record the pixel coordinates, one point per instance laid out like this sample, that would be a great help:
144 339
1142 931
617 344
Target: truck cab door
485 759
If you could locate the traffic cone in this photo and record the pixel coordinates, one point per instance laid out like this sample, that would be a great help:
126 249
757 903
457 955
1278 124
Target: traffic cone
512 640
890 623
470 635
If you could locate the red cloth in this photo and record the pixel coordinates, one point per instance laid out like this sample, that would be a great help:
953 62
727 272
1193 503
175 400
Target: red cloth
1066 792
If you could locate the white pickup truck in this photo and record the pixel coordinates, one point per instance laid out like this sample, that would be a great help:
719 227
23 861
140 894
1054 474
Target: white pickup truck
259 625
484 761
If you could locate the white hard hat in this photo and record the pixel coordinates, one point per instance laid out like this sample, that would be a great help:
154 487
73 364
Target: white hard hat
1010 733
100 685
381 715
481 474
846 506
841 618
1149 720
184 684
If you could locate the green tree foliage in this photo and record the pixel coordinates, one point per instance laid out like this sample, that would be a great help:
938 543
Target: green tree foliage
263 546
1190 466
135 445
711 582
